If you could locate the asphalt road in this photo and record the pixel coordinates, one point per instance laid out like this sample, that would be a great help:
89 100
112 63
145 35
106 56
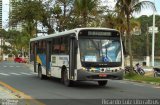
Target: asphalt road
52 90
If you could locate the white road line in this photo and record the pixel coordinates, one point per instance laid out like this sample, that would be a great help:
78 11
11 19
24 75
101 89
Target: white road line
26 73
18 66
4 74
33 73
123 82
157 87
10 66
138 84
15 73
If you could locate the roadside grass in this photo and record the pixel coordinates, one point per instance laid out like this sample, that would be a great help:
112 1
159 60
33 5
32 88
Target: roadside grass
139 78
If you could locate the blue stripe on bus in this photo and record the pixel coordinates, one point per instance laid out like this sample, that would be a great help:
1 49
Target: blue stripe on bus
43 60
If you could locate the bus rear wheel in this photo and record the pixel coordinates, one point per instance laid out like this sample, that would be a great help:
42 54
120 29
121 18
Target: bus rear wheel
66 81
102 83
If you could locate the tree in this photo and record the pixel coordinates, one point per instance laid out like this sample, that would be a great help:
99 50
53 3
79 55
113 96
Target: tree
128 7
65 10
18 42
110 20
85 9
29 13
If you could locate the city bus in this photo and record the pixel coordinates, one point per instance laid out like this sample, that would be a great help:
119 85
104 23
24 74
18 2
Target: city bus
81 54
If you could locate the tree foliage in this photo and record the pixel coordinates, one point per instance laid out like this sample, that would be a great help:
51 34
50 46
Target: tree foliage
18 42
29 12
128 7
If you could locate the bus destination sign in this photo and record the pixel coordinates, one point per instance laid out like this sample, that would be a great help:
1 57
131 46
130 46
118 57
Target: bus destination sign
103 33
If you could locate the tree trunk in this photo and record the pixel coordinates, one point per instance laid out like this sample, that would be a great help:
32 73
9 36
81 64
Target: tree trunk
129 42
64 10
85 19
1 49
85 15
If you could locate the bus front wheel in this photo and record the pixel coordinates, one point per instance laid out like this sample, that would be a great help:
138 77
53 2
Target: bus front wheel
102 83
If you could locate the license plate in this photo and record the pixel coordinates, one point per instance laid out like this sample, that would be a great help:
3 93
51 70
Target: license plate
102 75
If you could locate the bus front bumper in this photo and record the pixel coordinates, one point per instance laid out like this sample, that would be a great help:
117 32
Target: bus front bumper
83 75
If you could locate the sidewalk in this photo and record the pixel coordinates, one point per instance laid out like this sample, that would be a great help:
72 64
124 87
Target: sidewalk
7 97
7 94
15 97
147 68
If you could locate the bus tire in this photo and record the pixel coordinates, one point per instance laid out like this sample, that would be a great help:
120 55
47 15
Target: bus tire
102 83
66 81
40 75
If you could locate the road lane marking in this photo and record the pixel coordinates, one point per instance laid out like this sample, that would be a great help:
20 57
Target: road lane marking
157 87
15 73
11 66
138 84
23 95
4 74
18 66
125 82
26 73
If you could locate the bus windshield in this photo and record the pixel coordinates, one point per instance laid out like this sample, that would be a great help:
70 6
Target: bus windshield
100 50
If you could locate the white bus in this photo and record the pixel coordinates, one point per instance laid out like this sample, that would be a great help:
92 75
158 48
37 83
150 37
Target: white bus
82 54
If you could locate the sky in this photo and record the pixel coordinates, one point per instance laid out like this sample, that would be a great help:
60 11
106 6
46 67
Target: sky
111 3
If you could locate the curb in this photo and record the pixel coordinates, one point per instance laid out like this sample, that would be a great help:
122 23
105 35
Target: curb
152 83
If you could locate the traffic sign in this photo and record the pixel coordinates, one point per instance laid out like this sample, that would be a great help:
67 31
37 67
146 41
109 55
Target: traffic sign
151 29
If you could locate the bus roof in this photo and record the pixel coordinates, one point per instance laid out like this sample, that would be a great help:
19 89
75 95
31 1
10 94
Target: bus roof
69 32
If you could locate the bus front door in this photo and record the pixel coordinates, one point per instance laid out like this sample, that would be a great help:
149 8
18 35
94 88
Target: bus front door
72 57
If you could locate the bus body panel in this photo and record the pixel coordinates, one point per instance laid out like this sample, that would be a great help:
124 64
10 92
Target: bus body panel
43 70
57 61
56 72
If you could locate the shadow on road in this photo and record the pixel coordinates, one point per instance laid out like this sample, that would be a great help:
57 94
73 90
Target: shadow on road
77 84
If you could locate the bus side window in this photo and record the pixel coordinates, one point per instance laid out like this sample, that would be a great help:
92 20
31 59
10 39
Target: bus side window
41 48
60 45
64 45
56 46
62 48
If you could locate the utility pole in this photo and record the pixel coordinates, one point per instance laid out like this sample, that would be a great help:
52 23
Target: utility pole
147 48
153 36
